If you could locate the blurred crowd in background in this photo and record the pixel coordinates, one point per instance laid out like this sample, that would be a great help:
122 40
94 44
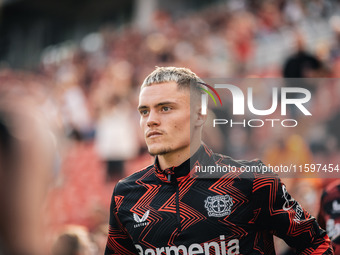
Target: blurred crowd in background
84 97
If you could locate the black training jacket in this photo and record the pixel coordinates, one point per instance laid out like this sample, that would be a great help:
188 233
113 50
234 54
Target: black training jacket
182 211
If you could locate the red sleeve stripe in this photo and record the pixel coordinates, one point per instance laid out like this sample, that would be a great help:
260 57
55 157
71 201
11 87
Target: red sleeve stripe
323 247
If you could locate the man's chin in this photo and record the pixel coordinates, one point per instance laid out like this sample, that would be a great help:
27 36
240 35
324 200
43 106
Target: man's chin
159 151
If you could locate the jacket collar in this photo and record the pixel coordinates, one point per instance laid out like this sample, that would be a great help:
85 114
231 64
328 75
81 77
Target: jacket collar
177 173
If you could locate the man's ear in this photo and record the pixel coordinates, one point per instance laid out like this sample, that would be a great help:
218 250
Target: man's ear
200 118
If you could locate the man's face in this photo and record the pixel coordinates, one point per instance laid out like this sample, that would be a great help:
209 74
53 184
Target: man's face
165 117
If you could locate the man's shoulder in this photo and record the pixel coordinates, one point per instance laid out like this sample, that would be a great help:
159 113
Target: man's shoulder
249 169
223 159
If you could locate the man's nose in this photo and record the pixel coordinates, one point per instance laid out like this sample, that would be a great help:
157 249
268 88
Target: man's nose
153 119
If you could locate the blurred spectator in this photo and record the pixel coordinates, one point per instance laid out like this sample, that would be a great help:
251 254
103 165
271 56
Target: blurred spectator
293 11
329 213
116 138
334 127
302 64
269 16
77 120
74 240
335 47
336 245
240 34
100 237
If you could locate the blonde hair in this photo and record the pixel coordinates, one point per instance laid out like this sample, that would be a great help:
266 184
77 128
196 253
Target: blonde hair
184 77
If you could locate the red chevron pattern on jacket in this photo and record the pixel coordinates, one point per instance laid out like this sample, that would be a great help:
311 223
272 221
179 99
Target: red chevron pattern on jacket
176 211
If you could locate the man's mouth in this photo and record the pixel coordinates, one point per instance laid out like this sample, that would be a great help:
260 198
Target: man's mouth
153 134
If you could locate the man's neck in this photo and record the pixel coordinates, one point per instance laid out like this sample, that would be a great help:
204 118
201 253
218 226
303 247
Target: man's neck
176 158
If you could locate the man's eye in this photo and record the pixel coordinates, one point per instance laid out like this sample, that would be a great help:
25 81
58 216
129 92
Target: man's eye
143 112
166 108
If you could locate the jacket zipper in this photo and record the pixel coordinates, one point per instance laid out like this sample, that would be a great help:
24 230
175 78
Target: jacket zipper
177 207
178 215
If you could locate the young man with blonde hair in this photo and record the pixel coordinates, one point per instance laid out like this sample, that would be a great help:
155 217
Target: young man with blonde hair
167 209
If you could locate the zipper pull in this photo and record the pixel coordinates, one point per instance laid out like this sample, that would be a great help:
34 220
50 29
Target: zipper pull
169 177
